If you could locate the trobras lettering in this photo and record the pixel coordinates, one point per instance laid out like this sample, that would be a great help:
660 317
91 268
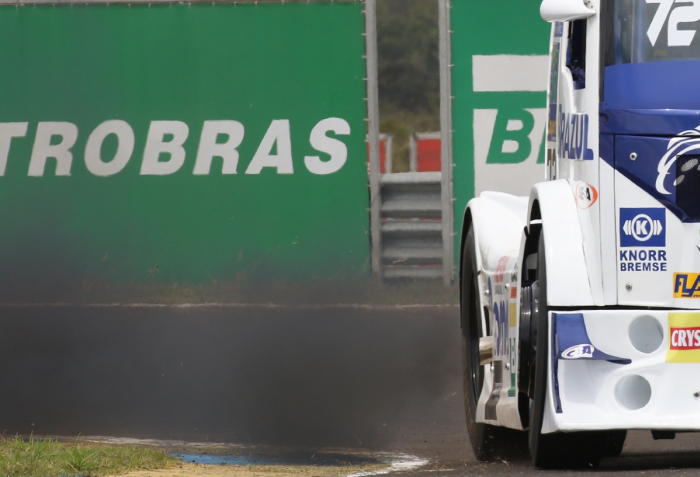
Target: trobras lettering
163 151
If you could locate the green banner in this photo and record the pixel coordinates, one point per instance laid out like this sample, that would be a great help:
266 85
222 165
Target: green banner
180 145
499 83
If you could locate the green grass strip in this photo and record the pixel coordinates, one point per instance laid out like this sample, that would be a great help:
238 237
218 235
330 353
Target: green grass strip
50 458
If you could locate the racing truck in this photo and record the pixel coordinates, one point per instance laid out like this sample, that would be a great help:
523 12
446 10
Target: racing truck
580 304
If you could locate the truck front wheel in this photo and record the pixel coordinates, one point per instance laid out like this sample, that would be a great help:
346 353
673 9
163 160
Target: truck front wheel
561 449
488 442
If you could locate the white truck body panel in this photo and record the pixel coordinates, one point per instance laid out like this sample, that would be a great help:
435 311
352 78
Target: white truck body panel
593 394
567 266
498 220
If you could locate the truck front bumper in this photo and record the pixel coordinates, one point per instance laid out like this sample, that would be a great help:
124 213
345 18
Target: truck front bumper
623 369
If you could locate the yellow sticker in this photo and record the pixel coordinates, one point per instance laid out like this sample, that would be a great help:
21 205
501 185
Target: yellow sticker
683 338
513 317
686 285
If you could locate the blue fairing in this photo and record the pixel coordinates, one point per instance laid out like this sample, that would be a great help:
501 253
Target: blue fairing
656 85
646 106
647 122
643 170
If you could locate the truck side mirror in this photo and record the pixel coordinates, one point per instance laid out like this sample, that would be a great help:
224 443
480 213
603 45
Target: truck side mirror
565 10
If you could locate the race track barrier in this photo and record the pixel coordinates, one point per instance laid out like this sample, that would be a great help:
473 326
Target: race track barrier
411 208
425 152
385 153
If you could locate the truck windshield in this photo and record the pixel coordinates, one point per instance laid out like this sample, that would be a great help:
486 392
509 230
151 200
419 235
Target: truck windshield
656 30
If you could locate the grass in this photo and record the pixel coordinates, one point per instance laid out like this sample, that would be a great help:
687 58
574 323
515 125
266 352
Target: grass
50 458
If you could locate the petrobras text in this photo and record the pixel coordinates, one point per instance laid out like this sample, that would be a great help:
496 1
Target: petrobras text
163 150
573 137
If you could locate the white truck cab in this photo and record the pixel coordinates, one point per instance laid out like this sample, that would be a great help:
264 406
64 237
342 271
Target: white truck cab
581 303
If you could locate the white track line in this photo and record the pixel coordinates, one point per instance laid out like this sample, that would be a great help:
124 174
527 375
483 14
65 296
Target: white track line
156 442
398 462
406 463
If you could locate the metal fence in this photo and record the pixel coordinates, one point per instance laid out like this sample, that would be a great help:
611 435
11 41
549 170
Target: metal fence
411 230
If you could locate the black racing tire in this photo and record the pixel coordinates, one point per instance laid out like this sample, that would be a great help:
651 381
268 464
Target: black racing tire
558 450
488 442
615 443
480 435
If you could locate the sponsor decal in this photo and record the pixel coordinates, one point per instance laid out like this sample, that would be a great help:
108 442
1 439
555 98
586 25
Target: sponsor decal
586 195
503 348
580 351
570 335
643 261
553 91
501 268
685 142
573 137
501 314
513 315
643 227
686 285
500 276
503 303
683 338
558 29
641 230
513 367
513 331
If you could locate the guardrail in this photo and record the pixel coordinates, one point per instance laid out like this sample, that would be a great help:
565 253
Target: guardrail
411 230
410 238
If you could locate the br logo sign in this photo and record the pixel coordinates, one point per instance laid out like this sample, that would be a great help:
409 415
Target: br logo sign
509 122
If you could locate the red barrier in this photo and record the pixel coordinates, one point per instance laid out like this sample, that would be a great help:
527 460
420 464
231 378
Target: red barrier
428 148
384 147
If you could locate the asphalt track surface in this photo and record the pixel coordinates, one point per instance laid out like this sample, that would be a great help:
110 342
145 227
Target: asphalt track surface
372 378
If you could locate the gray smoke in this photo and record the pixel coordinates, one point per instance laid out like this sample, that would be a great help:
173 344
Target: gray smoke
290 376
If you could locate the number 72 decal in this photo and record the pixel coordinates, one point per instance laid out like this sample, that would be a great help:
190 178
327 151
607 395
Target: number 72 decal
675 17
